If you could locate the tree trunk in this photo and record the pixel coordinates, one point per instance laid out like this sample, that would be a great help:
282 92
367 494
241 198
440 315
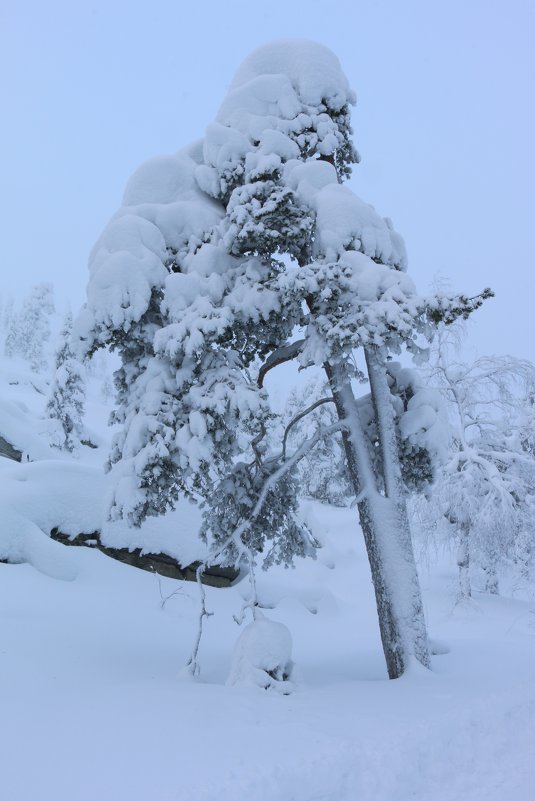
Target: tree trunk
463 562
383 520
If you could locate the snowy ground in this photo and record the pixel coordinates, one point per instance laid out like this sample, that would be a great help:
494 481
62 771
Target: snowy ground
94 708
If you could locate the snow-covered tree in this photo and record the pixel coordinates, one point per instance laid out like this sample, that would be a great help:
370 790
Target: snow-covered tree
7 311
11 342
65 406
218 257
29 329
485 491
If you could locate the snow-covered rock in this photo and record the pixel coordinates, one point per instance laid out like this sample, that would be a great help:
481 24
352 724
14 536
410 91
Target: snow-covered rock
263 657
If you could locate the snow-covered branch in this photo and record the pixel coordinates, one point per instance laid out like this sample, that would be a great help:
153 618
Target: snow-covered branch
284 354
299 417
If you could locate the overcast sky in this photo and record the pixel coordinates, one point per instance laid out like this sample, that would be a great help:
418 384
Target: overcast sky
444 124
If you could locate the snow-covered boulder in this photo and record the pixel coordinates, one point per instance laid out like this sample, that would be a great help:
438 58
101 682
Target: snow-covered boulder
263 657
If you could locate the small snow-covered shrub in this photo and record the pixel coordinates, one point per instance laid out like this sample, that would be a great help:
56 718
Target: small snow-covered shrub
263 657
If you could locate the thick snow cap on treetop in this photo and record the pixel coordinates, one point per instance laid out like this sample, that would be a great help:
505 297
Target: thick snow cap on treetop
282 101
313 71
287 111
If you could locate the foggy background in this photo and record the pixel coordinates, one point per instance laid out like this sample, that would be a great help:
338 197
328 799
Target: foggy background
444 124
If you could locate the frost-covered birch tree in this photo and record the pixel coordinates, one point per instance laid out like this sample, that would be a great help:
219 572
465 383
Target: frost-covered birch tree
239 253
485 492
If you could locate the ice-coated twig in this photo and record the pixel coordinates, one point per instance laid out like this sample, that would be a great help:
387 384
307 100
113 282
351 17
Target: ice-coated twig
165 598
252 603
192 665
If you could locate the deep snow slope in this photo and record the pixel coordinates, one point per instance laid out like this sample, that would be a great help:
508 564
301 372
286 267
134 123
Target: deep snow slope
94 707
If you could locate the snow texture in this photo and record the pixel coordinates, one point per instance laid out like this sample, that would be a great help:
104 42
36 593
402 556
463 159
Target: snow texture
464 731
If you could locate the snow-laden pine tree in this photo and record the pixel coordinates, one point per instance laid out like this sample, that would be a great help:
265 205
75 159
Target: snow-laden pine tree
485 490
65 405
239 253
29 329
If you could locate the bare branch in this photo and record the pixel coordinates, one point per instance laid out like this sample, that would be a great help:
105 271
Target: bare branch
256 442
165 598
300 417
283 354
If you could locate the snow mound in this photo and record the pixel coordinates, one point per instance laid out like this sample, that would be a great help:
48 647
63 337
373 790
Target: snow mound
22 541
58 494
19 429
263 657
37 497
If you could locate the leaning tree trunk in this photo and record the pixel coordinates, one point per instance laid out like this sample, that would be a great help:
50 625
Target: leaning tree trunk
383 520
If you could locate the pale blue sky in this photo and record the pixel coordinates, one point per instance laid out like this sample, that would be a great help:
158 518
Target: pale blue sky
444 123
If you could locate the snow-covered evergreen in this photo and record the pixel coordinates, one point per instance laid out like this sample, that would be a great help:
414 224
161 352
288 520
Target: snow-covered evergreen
215 258
29 329
65 405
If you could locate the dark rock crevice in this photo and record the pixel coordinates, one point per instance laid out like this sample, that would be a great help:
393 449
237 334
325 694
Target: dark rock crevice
161 563
7 450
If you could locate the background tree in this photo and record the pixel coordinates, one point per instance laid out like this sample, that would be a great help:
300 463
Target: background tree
29 329
65 406
485 491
